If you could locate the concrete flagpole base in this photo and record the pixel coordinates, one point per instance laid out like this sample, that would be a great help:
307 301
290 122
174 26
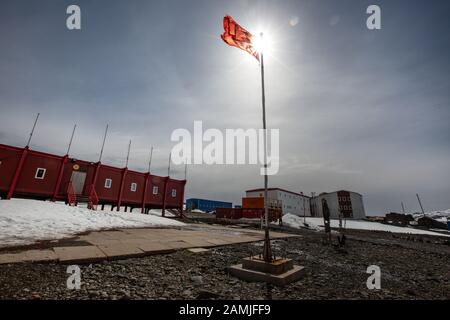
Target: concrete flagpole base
279 272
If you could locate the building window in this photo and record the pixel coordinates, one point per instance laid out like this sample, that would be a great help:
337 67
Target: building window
155 190
40 173
108 183
174 193
133 187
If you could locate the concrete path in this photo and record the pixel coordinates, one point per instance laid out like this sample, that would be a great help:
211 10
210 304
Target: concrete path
126 243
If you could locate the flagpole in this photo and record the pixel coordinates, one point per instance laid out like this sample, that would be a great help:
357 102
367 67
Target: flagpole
267 251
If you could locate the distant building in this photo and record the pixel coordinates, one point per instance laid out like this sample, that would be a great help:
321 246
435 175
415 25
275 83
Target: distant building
206 205
349 203
291 202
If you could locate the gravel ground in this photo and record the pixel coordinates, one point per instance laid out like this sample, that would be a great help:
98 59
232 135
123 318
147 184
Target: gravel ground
411 268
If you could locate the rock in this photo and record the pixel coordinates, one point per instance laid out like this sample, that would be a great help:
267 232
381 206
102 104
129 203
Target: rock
187 292
198 280
206 294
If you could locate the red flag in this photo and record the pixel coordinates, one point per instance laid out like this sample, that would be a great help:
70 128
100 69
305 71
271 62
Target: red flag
237 36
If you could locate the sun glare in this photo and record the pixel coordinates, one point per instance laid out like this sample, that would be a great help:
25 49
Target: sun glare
262 43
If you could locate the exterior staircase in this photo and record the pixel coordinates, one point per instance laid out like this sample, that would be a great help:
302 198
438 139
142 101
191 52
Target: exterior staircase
74 199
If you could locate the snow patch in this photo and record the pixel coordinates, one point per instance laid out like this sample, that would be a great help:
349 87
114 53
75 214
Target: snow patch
294 221
317 224
27 221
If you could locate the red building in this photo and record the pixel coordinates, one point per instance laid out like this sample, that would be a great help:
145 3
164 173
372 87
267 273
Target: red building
32 174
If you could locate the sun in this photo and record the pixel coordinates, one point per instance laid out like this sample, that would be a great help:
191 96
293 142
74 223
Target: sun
262 43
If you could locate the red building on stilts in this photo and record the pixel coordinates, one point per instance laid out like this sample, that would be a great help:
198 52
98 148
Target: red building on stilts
32 174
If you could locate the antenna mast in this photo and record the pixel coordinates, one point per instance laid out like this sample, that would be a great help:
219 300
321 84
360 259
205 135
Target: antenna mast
150 161
32 130
71 139
128 154
103 144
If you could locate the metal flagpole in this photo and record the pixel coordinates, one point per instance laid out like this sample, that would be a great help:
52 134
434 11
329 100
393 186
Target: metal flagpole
103 144
267 251
71 139
32 130
150 161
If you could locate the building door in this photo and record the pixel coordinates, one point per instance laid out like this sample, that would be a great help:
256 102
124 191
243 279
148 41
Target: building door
78 179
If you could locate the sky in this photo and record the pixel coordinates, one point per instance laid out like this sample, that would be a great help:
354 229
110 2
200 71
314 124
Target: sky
357 109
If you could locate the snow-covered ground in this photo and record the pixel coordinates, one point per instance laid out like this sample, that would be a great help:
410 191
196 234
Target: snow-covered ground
26 221
440 215
317 224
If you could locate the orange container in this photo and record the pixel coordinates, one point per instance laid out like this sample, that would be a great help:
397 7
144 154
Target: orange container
253 203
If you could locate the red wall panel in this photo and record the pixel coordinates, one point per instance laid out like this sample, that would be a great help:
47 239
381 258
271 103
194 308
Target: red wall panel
128 195
29 184
108 194
9 158
172 185
155 198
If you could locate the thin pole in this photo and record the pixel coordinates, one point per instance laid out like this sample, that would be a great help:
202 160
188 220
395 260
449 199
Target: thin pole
71 139
103 144
267 251
150 161
168 169
420 203
185 170
128 154
32 130
403 208
304 211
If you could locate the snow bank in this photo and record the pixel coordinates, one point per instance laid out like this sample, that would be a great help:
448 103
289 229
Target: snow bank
294 221
317 224
26 221
158 213
197 211
440 215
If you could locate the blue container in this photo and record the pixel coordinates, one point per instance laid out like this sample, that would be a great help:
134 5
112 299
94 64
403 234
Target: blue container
206 205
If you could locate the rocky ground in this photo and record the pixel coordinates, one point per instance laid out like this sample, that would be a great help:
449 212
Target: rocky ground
412 267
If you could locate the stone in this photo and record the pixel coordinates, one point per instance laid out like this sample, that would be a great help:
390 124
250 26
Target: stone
197 280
